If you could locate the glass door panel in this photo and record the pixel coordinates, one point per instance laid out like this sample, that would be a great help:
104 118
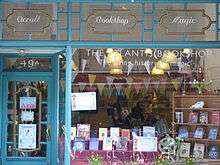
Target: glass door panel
27 119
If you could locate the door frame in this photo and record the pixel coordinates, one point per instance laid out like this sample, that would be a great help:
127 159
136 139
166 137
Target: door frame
53 103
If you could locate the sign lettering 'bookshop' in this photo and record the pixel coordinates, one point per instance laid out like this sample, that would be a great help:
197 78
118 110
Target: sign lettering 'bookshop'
186 22
104 21
28 21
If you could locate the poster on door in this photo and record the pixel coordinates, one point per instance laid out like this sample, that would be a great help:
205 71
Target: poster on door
27 102
27 136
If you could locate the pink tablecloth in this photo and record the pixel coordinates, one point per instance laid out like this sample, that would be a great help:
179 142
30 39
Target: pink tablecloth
113 157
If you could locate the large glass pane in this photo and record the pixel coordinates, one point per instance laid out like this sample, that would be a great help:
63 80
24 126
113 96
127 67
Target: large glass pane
27 130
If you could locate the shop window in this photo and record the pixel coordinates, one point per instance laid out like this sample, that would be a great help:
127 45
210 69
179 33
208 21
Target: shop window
123 103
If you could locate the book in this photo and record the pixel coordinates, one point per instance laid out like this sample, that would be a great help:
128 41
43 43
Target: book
213 151
79 144
83 130
183 133
193 117
114 134
198 151
145 144
179 117
107 143
199 133
203 117
148 131
73 133
126 133
215 118
103 132
213 133
93 144
122 144
184 150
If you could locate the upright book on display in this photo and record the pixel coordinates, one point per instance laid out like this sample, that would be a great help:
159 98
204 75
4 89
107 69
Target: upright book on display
103 132
83 130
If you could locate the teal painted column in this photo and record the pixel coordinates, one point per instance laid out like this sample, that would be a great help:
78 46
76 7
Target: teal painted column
68 104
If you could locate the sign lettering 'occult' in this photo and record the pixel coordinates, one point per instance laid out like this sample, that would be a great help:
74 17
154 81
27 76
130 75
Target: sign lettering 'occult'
28 21
111 21
193 22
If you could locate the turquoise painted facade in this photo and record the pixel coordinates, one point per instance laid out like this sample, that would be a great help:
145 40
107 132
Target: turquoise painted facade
66 46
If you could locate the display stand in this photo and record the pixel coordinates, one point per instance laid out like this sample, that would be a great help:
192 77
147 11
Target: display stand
182 117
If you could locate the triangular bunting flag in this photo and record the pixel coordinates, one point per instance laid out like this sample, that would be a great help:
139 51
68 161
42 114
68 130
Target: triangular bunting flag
147 65
82 86
84 62
147 83
97 56
100 88
128 91
74 75
175 83
118 88
110 90
92 78
130 67
104 61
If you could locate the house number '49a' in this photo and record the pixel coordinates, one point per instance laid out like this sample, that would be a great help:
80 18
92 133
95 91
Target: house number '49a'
30 63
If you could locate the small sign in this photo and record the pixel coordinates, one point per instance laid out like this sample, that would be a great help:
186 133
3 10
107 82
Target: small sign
27 136
27 116
27 102
104 21
193 22
28 21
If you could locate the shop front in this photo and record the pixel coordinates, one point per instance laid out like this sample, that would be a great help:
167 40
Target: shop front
109 82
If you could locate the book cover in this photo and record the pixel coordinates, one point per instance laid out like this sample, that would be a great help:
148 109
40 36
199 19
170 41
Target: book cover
126 133
145 144
193 117
103 132
148 131
203 117
198 151
184 150
215 118
199 133
114 134
122 144
213 133
183 133
135 131
213 151
79 144
179 117
107 143
94 144
83 130
73 133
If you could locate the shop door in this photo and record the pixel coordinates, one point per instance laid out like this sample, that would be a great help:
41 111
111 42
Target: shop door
27 121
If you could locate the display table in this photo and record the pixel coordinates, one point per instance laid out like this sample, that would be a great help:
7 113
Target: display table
113 156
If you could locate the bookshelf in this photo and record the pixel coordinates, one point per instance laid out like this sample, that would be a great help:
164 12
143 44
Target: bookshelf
182 118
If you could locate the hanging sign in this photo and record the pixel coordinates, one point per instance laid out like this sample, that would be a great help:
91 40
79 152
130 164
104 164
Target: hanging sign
193 22
27 136
105 21
28 21
27 102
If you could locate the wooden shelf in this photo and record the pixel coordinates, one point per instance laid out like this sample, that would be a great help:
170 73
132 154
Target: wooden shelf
197 96
203 140
197 124
202 109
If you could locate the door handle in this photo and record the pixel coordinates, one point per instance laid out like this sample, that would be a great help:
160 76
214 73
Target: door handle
48 131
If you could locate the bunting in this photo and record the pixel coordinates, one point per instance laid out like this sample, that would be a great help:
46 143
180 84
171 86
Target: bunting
147 83
130 67
109 80
84 62
175 83
147 65
118 88
137 87
97 56
82 86
92 78
74 75
100 88
157 83
129 80
128 91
